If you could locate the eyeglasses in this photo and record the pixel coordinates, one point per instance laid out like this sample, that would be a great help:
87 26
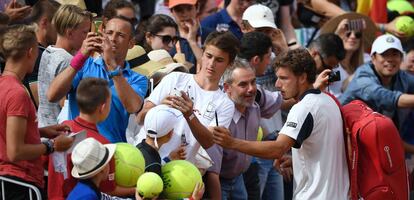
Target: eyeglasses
166 39
358 35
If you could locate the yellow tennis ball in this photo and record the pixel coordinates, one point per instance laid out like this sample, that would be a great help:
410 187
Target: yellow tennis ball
401 6
129 164
405 24
259 134
180 178
149 185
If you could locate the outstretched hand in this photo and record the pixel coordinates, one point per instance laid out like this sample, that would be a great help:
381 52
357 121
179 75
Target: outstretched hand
223 137
392 28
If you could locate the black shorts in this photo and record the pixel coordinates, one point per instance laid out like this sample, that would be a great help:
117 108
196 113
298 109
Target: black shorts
18 192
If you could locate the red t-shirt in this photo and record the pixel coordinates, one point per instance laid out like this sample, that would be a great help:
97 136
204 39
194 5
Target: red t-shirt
15 101
59 188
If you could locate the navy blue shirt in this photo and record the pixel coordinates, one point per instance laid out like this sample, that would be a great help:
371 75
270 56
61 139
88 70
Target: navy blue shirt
222 21
85 190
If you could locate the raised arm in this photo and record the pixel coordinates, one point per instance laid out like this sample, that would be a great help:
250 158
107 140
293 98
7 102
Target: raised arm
287 28
61 85
131 101
192 39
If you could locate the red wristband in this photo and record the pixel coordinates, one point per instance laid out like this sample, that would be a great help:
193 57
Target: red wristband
78 60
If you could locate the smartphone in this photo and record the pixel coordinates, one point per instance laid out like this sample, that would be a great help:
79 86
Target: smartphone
97 23
356 25
183 140
176 92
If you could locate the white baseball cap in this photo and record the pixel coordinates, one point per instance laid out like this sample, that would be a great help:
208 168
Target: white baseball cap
385 42
160 120
89 157
259 16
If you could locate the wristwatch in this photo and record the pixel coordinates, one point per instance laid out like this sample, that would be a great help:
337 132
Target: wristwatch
49 146
115 72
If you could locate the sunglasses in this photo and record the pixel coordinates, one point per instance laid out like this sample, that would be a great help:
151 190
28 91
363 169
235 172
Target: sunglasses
358 35
166 39
326 66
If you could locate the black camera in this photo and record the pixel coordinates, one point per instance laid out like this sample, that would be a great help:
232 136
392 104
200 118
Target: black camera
334 76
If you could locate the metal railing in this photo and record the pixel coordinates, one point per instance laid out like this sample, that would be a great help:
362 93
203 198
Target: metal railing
29 187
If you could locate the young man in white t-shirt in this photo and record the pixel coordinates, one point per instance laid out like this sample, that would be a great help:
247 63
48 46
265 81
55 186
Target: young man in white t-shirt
203 104
313 128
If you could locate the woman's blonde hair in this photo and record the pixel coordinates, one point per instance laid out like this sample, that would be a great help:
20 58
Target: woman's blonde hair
16 40
69 16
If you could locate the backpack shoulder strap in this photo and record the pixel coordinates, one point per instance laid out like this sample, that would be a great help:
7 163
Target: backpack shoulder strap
351 151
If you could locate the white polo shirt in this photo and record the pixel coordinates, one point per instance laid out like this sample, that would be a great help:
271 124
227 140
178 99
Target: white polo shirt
319 161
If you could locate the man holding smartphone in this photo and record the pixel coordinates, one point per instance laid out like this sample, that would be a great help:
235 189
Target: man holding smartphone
128 88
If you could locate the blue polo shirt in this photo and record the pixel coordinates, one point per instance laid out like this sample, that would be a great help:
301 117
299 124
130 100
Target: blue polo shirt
222 21
114 127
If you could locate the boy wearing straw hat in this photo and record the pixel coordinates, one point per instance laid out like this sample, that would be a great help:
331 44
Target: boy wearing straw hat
91 166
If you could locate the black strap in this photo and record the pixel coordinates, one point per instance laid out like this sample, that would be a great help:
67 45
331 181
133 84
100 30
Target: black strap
100 164
140 60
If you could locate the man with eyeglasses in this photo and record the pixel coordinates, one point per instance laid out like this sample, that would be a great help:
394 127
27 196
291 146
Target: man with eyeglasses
328 50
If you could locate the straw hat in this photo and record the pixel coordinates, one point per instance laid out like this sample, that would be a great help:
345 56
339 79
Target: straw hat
163 57
369 33
89 157
141 63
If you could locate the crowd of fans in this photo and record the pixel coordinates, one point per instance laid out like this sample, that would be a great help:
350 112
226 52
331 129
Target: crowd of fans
241 82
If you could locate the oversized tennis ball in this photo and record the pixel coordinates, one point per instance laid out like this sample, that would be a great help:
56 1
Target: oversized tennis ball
180 178
405 24
401 6
129 164
149 185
